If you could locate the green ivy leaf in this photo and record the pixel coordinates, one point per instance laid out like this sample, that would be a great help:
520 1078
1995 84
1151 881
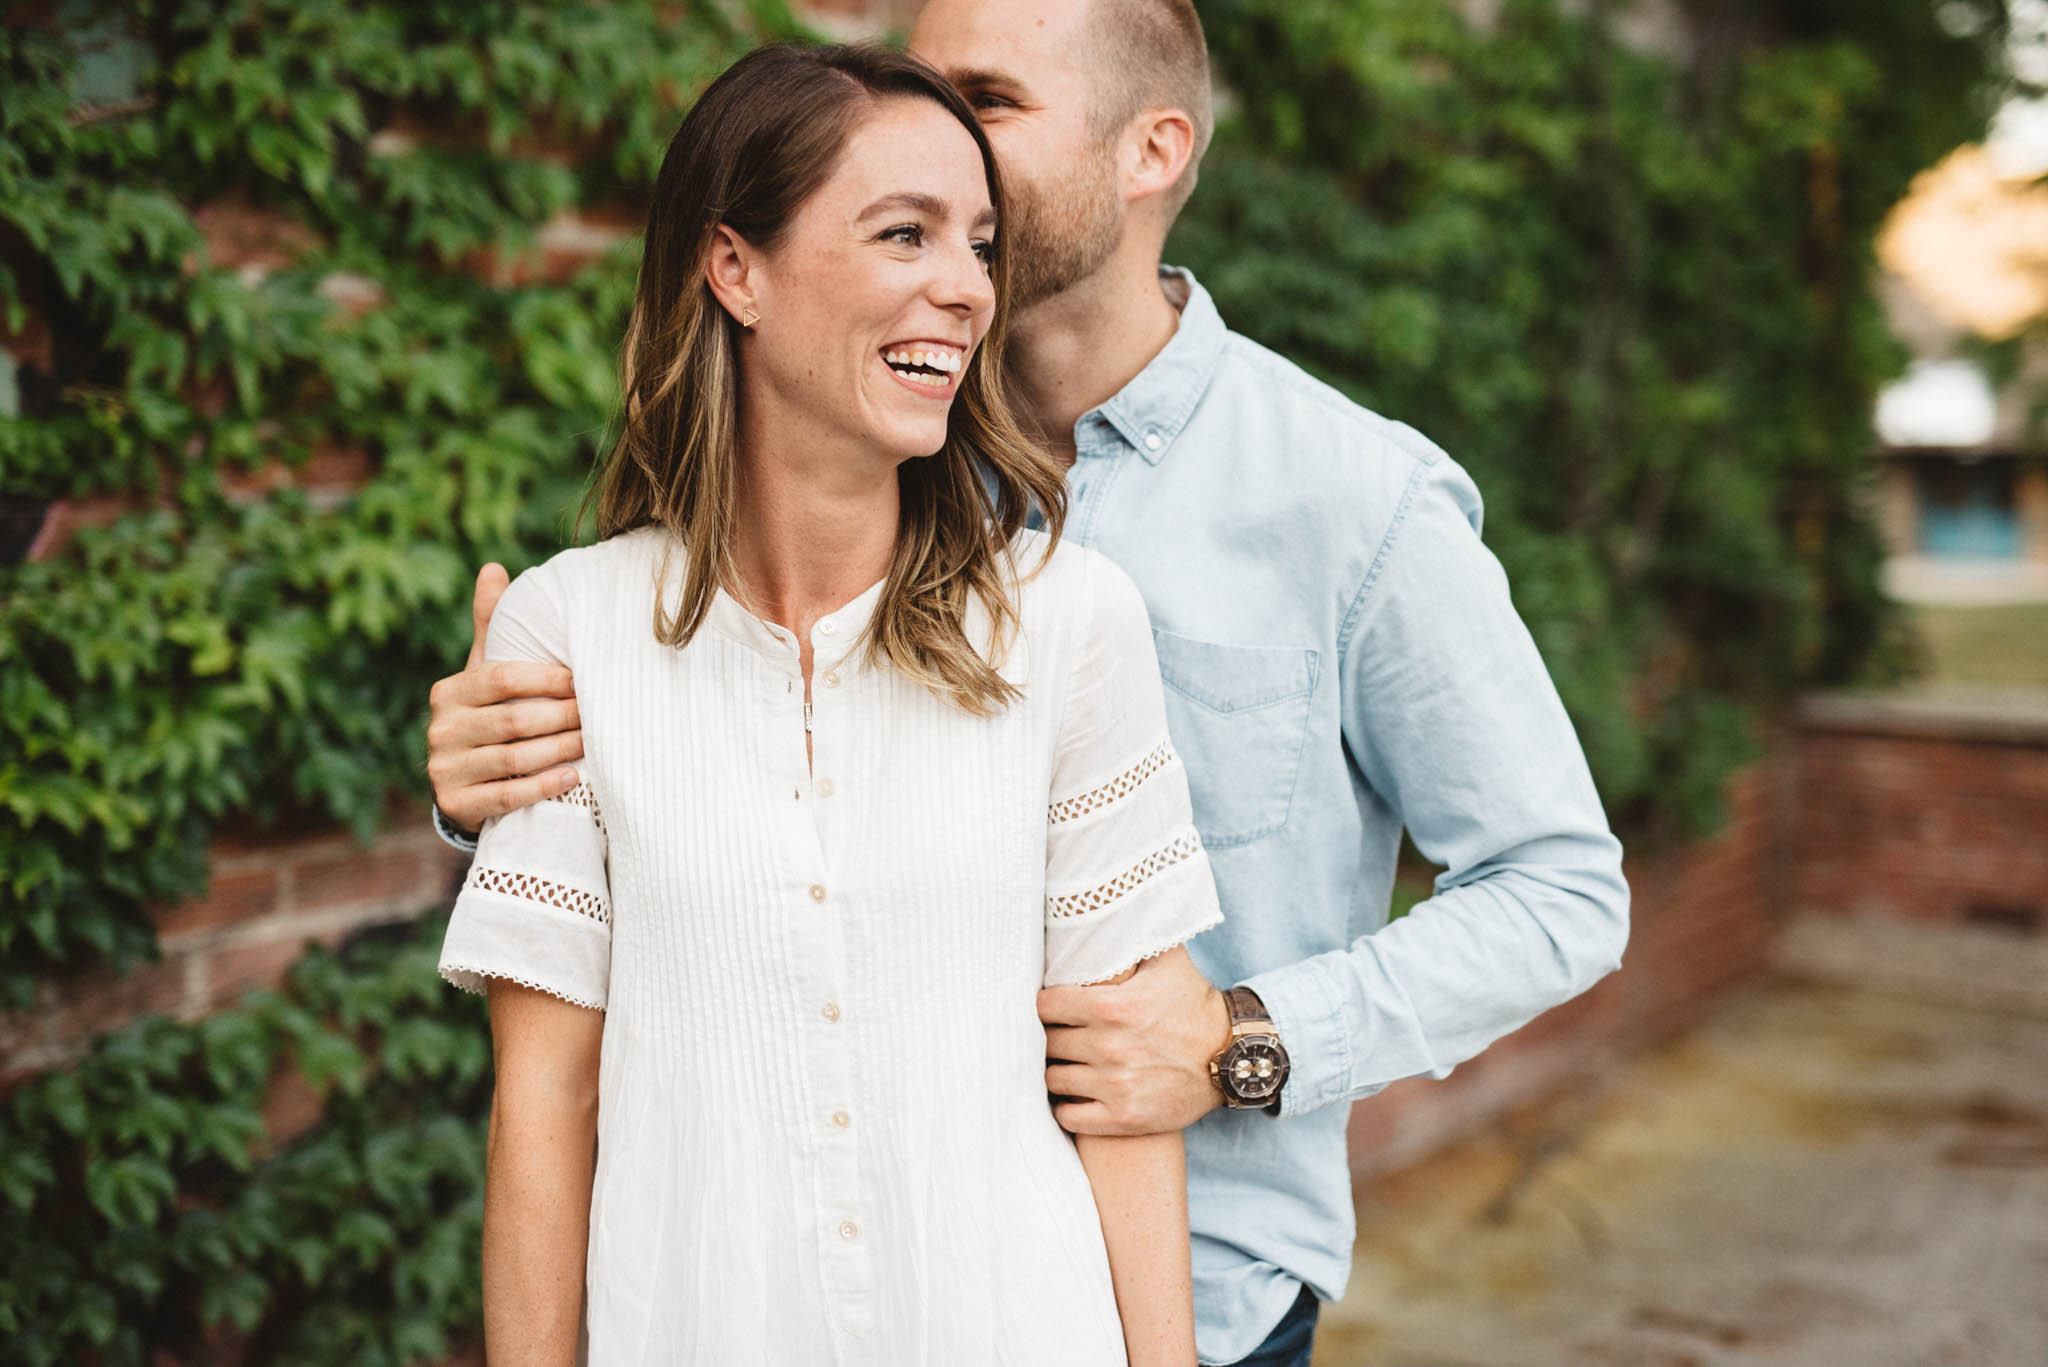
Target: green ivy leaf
130 1190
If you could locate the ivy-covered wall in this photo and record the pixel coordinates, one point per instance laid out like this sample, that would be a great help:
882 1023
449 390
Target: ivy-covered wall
243 244
1629 289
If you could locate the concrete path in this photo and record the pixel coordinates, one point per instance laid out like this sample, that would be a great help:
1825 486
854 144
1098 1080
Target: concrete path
1821 1176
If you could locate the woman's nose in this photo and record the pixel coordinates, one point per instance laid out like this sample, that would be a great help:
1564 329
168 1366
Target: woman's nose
963 282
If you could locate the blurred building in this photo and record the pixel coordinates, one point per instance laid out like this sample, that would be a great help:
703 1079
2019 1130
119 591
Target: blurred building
1963 435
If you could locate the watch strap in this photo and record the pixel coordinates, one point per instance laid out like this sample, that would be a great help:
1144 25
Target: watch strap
1246 1010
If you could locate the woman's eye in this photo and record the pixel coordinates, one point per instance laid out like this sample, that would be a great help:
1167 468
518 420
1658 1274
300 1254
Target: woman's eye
909 234
985 250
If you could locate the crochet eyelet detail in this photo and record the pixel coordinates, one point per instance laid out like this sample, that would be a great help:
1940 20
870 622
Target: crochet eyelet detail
581 796
1123 785
1178 851
530 888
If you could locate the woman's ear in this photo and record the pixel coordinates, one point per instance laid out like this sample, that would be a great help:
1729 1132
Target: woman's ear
730 272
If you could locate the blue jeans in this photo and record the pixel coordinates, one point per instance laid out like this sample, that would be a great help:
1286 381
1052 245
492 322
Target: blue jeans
1289 1343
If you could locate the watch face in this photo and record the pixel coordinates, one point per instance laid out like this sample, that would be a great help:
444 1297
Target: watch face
1253 1068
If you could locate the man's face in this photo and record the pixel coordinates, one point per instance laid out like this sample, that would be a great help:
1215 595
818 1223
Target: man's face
1025 71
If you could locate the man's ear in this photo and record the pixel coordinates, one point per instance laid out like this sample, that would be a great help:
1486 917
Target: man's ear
1157 146
731 272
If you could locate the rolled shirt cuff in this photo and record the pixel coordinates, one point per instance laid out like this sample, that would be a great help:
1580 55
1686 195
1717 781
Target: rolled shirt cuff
451 836
1308 1014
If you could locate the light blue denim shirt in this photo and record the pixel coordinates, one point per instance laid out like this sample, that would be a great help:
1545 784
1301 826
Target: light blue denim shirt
1341 658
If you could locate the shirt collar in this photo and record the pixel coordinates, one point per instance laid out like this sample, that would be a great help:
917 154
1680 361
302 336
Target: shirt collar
1151 410
832 636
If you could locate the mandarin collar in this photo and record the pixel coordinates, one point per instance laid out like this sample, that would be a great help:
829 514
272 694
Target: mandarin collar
1151 410
832 636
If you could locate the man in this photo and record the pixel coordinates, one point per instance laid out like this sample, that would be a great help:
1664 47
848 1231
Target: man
1341 659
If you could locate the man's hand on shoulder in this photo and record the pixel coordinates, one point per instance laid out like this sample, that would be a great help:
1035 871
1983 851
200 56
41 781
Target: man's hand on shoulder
1133 1055
503 734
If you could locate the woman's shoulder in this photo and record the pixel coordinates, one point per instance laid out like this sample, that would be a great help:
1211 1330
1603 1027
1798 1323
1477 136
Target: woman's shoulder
580 583
1066 572
579 570
1073 590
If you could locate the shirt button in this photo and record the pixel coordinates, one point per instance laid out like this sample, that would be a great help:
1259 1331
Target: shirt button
848 1230
830 1011
817 892
832 678
841 1119
826 628
1152 441
824 787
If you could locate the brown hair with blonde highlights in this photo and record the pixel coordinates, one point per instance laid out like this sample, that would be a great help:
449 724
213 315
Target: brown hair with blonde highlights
759 141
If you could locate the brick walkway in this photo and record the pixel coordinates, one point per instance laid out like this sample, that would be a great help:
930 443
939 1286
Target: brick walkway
1821 1176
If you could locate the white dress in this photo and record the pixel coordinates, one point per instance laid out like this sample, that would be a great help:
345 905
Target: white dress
823 1132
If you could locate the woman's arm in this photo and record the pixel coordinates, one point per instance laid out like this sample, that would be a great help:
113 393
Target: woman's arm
1141 1193
542 1152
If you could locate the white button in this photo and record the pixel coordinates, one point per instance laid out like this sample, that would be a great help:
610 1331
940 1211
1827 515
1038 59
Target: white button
824 787
1152 442
848 1230
841 1119
832 678
830 1011
817 892
826 628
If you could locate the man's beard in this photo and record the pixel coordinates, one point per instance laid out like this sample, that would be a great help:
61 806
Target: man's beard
1061 230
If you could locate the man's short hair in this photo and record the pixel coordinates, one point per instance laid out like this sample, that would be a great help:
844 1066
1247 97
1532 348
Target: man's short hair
1150 54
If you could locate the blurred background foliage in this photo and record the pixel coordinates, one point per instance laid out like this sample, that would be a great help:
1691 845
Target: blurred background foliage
1633 294
1630 289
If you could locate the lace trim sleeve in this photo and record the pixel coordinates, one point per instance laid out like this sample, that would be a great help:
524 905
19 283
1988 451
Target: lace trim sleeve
536 889
535 907
1177 851
532 887
1107 794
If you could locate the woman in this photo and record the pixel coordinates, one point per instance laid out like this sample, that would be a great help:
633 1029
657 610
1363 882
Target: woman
866 763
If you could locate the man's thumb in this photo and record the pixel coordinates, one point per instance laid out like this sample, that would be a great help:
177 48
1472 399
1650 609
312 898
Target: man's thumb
491 583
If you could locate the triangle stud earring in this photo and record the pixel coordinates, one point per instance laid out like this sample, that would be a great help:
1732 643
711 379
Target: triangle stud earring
748 318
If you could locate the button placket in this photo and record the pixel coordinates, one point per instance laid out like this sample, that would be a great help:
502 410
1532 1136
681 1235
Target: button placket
821 921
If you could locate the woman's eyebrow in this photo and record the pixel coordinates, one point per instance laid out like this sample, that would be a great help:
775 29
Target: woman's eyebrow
931 206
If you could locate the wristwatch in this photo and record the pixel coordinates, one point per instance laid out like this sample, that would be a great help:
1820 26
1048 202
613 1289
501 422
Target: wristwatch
1252 1068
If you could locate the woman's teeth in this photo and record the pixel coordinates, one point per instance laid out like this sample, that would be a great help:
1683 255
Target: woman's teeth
931 368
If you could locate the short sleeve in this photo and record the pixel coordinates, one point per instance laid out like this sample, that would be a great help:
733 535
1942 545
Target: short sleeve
535 907
1126 877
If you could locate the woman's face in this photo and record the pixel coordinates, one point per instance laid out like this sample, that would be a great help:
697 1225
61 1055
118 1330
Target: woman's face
877 293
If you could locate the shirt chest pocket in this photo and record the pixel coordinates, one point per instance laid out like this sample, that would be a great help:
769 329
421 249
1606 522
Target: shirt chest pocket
1239 717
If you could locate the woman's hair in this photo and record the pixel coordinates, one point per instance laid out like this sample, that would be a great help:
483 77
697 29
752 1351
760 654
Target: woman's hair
758 143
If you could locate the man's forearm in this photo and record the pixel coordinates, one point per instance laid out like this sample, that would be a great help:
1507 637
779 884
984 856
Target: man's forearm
1434 988
1141 1187
538 1170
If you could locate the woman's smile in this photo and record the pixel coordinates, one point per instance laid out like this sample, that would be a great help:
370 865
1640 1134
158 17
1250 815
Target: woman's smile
930 369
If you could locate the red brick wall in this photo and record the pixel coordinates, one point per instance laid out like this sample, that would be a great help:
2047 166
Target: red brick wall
268 898
1702 921
1901 809
1923 812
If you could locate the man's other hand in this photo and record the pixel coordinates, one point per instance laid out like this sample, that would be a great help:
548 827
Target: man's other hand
1132 1056
503 734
